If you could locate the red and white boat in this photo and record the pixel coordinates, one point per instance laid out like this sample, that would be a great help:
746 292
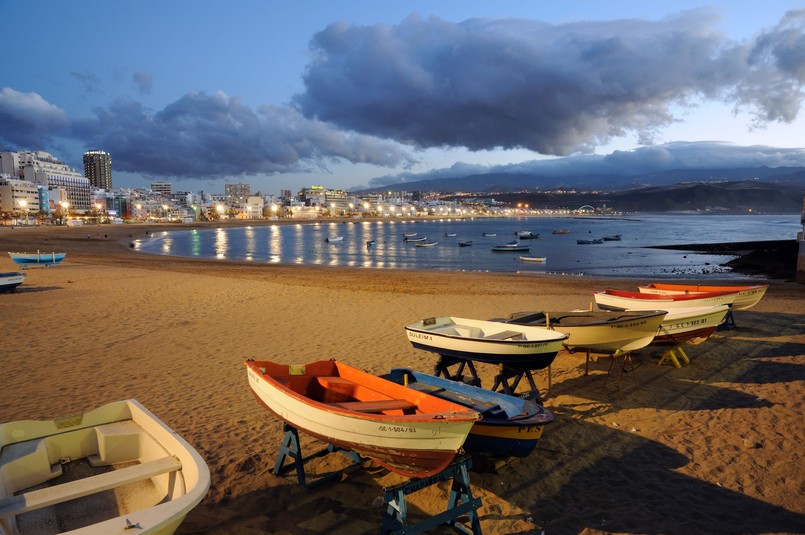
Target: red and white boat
748 295
690 325
623 300
409 432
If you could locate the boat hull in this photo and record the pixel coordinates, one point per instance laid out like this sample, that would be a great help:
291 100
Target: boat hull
622 300
412 445
598 332
690 325
509 426
37 259
9 281
532 348
122 432
510 248
748 296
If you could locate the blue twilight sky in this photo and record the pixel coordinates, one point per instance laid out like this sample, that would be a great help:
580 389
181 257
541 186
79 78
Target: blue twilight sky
354 93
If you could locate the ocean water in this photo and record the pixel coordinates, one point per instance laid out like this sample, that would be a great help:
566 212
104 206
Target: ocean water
305 244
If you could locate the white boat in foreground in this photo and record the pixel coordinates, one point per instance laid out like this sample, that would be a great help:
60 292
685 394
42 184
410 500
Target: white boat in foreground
10 280
748 295
121 468
597 331
333 239
517 346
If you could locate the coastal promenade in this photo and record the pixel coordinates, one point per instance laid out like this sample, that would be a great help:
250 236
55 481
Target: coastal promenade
712 447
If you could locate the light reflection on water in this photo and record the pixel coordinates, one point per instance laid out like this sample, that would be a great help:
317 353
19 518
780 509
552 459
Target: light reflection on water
305 243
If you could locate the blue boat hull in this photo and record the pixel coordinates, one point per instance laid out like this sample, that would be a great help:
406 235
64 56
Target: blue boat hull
37 259
509 426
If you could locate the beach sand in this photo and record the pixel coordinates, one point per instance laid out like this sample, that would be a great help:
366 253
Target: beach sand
713 447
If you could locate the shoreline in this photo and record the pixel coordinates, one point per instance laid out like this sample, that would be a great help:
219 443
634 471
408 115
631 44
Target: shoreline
719 439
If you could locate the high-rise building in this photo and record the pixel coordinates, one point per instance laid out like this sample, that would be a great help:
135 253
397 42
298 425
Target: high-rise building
162 188
98 168
237 192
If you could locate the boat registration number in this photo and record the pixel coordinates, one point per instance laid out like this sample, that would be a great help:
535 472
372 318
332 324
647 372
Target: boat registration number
396 429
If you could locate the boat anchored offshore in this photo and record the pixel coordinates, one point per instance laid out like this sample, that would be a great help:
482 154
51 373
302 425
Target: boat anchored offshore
411 433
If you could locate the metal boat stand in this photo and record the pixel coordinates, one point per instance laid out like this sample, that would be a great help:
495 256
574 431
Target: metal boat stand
395 520
291 448
729 322
626 365
443 368
671 356
506 373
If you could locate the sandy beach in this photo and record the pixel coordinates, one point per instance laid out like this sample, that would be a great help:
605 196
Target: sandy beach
716 446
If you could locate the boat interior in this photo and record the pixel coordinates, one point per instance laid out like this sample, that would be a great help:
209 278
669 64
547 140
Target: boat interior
84 476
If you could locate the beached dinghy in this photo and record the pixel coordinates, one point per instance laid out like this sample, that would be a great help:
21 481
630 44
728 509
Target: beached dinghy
37 259
509 426
690 325
748 295
409 432
120 467
623 300
520 346
597 331
10 280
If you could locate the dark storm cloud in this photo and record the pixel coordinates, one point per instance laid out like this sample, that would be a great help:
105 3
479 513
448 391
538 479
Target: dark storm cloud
216 135
554 89
644 160
26 119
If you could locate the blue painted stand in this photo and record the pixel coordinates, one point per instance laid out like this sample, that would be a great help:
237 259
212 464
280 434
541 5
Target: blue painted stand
290 448
396 519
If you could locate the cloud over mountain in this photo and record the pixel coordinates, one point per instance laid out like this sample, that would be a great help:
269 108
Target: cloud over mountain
554 89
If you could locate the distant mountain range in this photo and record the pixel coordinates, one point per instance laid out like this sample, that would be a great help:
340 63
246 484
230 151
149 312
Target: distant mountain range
760 189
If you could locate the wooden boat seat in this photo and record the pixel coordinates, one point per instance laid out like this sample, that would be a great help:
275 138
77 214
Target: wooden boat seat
504 335
375 406
37 499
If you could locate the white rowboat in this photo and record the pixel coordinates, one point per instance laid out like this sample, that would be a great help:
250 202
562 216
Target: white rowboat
157 477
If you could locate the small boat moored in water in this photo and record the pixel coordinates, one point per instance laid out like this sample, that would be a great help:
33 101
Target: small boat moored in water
748 295
509 426
490 234
597 241
534 259
431 243
37 259
467 243
415 239
511 247
614 237
411 433
333 239
156 477
622 300
10 280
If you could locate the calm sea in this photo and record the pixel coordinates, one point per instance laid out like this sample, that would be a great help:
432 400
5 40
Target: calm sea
305 244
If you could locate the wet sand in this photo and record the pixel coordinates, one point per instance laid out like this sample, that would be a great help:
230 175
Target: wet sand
712 447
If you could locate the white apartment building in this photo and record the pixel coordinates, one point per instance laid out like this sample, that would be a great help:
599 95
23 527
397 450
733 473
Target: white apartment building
44 169
19 196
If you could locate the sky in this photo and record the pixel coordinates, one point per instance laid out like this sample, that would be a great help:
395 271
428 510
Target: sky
354 94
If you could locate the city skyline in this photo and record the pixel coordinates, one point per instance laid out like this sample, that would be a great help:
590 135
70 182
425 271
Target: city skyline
355 93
